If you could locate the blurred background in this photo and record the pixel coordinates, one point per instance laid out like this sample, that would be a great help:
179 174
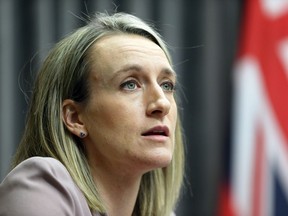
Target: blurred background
208 39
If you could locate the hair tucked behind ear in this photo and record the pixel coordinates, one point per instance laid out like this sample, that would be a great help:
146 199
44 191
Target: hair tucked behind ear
63 75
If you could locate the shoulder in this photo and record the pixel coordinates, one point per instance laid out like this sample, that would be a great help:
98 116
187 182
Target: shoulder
40 165
38 172
49 167
41 186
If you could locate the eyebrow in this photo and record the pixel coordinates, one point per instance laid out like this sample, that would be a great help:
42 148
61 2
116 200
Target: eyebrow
138 68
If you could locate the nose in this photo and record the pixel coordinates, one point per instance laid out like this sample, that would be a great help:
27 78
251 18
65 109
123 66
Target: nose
158 104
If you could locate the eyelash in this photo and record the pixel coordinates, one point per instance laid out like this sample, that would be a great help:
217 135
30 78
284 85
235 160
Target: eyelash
124 85
171 86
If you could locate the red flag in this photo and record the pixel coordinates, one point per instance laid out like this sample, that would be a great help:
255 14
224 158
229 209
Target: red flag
259 171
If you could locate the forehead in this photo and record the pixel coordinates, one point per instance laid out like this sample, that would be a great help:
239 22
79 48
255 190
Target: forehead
127 42
112 52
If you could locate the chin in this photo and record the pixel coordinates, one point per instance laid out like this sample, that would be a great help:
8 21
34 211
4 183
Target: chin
160 160
165 163
151 159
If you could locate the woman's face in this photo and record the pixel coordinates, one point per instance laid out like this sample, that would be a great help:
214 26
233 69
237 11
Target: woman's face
131 114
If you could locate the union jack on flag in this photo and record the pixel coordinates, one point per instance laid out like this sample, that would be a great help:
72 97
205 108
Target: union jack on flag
259 170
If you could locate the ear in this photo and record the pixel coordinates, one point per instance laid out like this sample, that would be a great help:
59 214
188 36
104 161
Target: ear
70 117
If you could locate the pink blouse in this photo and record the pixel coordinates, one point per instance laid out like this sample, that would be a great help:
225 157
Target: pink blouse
41 186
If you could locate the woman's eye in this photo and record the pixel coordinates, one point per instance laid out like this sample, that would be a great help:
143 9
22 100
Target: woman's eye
129 85
168 86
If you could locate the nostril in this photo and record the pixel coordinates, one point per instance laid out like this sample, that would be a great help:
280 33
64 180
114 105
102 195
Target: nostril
161 106
156 111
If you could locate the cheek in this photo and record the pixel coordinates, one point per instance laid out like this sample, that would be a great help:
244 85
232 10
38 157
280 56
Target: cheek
173 119
173 113
113 118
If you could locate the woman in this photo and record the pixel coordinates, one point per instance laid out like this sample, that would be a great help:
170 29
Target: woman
102 134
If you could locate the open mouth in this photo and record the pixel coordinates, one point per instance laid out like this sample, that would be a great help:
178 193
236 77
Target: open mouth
157 131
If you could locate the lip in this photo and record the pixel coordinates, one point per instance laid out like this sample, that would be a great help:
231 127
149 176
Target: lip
157 131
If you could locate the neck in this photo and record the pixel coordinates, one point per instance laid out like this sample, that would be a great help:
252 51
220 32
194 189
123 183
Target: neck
118 191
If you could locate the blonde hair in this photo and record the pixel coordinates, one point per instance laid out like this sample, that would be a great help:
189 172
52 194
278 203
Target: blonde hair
64 75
